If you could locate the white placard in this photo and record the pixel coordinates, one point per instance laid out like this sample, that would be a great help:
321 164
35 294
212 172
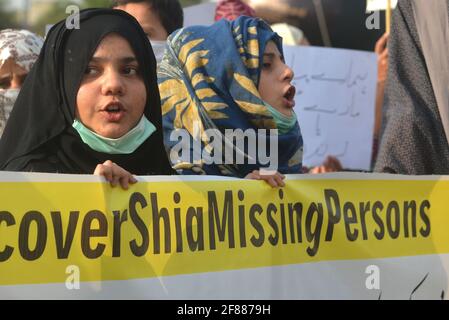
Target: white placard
376 5
335 103
200 14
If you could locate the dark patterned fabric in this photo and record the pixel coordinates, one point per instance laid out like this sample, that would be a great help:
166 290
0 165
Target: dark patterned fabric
413 139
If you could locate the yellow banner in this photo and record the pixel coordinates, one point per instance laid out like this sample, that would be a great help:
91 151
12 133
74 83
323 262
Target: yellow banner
162 228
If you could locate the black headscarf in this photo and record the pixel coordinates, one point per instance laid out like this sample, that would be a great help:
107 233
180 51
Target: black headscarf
40 126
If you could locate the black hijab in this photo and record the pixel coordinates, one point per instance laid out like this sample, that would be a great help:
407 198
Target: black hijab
40 126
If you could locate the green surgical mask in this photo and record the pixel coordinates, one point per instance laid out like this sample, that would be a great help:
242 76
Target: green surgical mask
124 145
284 123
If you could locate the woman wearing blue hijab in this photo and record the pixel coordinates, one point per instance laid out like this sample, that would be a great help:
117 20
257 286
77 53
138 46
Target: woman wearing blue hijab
230 75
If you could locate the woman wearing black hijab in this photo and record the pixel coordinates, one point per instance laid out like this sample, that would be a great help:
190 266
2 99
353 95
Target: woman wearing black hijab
90 104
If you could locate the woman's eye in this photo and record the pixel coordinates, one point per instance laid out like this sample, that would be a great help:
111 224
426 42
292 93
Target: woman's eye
5 83
266 65
131 71
91 70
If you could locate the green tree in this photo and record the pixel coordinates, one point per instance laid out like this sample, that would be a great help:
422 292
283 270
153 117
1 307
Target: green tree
56 13
188 3
96 4
7 17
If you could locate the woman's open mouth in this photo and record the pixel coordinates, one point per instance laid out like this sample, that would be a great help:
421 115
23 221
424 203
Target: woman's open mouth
289 97
113 112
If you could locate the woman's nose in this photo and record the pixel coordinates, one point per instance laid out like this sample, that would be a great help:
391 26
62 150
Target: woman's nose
113 83
16 82
288 73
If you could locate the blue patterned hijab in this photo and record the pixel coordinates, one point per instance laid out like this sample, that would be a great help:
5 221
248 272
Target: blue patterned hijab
209 76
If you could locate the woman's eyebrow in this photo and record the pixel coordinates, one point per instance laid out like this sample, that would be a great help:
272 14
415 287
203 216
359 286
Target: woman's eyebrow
269 55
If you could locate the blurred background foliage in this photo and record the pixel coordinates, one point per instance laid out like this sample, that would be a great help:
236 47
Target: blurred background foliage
7 18
35 15
344 19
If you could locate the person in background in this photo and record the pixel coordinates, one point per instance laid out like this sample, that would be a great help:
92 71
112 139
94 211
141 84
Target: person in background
291 35
158 18
333 23
415 131
19 50
232 9
90 109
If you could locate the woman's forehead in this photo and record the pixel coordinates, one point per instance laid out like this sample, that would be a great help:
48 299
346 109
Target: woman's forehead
271 48
114 46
